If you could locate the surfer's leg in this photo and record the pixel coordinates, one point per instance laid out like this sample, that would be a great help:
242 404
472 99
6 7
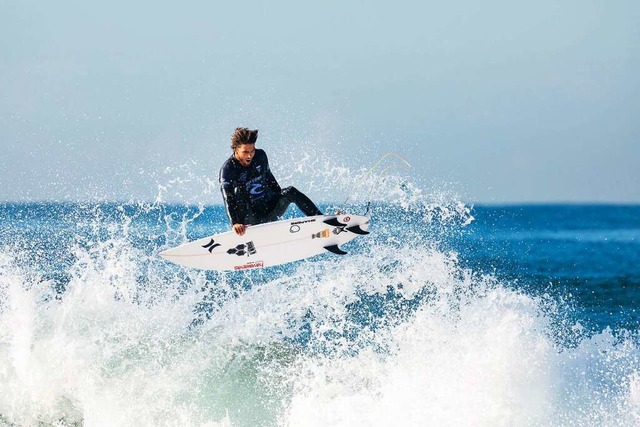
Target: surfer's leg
292 195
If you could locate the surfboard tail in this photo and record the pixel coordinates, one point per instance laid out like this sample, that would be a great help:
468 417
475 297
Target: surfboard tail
333 222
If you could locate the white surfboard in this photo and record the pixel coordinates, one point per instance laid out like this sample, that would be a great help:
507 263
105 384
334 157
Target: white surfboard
270 244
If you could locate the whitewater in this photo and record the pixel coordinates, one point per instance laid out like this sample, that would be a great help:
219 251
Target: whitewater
96 329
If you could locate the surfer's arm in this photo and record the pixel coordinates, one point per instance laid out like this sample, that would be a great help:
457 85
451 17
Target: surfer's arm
233 205
231 198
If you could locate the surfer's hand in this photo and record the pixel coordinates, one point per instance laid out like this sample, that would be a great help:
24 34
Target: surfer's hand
239 229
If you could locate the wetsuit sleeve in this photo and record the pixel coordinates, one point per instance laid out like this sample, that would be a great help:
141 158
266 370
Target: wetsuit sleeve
231 196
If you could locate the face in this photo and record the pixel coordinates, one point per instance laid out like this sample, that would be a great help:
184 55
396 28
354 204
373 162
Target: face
244 154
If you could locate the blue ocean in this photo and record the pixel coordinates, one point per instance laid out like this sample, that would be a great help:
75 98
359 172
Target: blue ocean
447 314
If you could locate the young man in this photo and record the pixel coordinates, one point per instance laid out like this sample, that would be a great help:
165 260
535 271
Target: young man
250 192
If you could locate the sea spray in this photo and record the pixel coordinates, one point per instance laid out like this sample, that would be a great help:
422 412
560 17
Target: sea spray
96 329
483 358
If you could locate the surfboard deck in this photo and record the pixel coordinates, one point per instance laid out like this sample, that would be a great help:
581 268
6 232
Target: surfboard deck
270 244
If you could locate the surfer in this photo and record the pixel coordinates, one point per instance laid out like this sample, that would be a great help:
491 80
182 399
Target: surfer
250 192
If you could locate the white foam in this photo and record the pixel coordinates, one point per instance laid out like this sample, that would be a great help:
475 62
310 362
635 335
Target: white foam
396 333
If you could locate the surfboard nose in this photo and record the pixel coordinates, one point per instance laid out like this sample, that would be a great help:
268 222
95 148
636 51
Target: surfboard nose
168 254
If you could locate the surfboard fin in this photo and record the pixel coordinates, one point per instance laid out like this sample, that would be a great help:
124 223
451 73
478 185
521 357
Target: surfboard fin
356 229
335 249
333 222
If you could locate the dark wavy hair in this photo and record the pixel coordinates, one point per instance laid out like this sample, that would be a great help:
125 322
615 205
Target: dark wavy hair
243 136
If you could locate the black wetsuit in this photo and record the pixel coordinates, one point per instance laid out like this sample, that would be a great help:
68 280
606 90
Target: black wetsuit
252 195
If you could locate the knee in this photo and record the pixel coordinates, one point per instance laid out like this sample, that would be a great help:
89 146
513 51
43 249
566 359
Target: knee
290 191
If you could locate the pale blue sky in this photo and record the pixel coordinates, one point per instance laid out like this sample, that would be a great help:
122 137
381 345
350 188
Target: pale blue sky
503 101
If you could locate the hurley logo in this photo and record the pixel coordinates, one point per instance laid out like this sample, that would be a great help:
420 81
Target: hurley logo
211 245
